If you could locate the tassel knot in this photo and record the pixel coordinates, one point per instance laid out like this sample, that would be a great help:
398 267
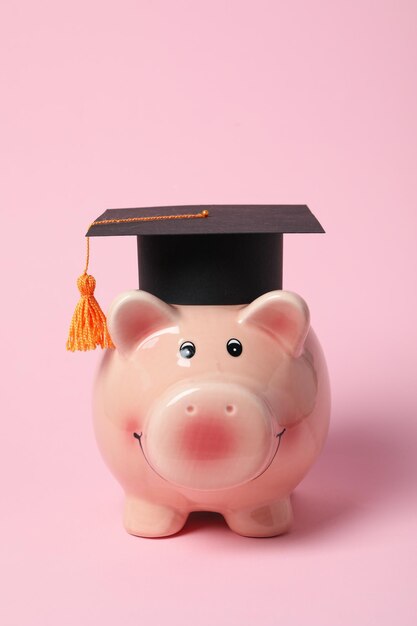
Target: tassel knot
86 284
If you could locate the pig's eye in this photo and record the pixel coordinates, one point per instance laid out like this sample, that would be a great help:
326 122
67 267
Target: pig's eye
187 350
234 347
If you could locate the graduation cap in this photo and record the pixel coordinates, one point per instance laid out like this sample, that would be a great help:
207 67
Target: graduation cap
199 255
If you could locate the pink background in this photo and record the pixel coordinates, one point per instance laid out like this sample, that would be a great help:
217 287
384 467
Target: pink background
111 104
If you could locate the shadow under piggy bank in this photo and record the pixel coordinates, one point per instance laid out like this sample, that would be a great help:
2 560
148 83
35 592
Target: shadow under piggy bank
363 466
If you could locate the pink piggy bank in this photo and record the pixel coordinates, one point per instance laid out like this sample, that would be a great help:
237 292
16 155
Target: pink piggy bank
211 408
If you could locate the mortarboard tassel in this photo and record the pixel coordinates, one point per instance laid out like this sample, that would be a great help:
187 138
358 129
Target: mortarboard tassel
88 327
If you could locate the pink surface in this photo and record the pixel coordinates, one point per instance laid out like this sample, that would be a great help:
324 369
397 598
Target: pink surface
137 103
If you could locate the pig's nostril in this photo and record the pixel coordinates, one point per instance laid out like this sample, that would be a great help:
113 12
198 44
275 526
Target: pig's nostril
230 409
190 409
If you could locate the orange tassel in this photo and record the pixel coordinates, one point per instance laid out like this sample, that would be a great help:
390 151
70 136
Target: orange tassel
88 325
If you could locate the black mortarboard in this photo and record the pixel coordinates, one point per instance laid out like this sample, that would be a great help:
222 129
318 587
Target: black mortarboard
231 257
201 254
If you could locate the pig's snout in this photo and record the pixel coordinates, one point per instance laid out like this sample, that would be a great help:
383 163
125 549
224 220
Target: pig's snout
207 438
210 436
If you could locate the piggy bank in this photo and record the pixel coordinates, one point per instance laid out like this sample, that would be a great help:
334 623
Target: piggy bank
211 408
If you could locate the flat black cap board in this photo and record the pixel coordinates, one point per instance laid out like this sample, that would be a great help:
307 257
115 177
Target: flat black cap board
232 256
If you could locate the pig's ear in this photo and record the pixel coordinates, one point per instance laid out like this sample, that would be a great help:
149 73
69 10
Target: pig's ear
136 314
282 314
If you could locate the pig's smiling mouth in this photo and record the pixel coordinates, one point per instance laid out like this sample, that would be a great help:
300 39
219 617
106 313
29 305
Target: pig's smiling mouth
278 437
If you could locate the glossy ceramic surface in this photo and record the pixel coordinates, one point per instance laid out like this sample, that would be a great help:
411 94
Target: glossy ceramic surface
211 408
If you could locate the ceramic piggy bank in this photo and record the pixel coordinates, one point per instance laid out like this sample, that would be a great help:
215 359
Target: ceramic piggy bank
215 408
215 396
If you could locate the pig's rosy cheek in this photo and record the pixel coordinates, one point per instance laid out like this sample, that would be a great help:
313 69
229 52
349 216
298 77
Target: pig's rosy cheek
130 424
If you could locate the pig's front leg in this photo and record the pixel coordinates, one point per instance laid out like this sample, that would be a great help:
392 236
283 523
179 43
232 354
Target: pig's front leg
268 520
146 519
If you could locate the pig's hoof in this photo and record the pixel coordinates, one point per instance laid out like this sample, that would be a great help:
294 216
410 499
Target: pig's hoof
146 519
265 521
